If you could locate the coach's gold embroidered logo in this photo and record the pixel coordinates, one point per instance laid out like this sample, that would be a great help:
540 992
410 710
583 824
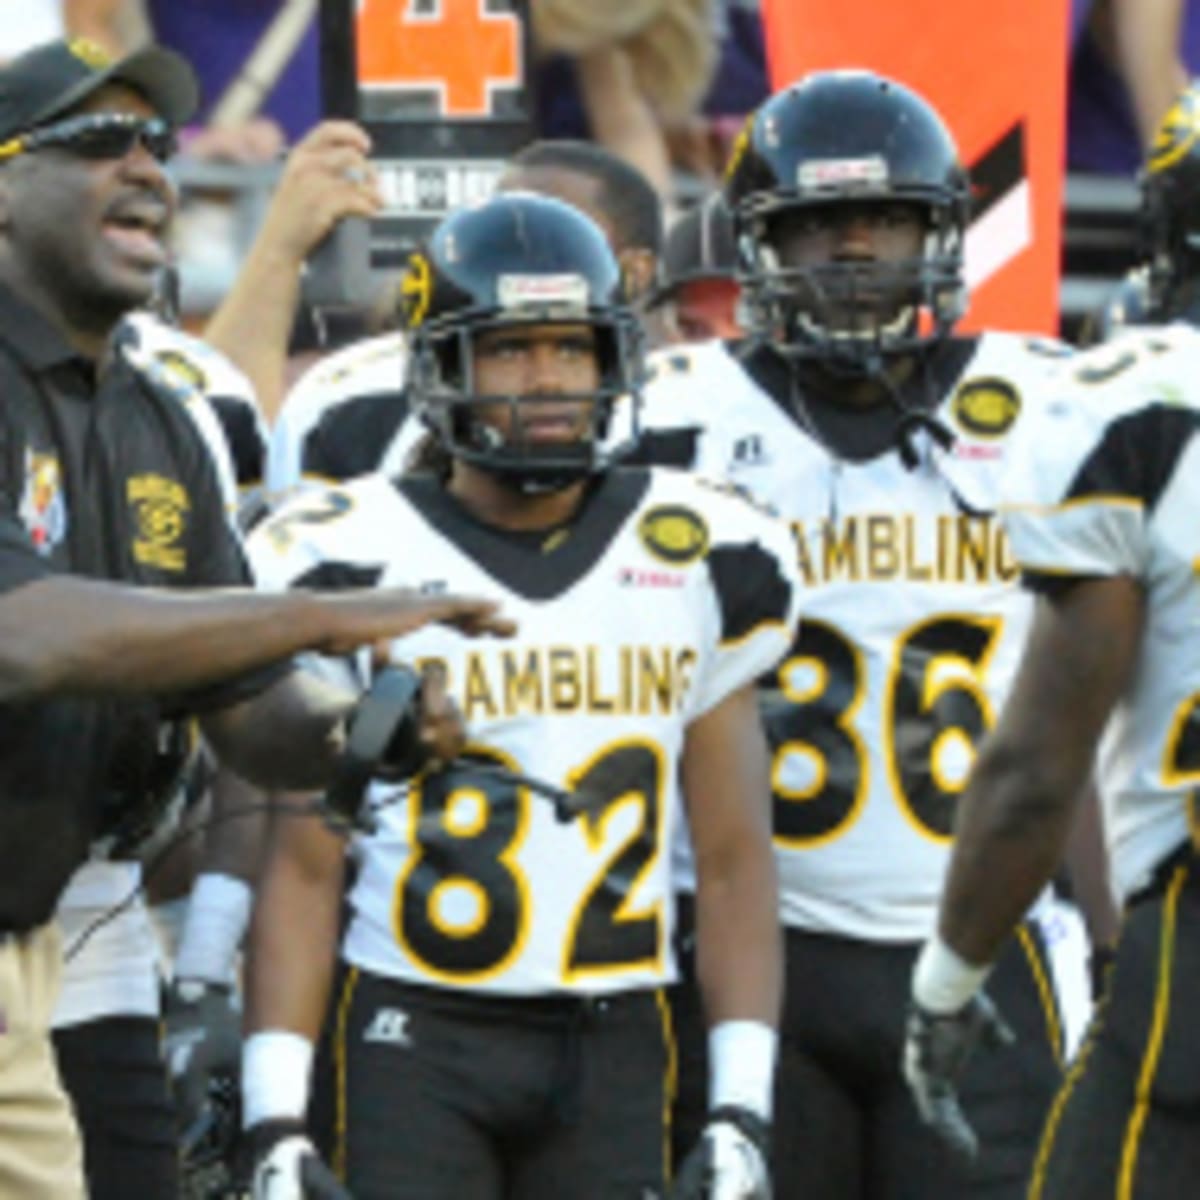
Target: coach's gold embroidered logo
416 290
90 53
674 534
160 508
986 408
1177 134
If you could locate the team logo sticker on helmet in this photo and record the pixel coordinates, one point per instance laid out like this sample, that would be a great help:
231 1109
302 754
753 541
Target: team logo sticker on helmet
986 408
674 534
416 290
1177 134
90 53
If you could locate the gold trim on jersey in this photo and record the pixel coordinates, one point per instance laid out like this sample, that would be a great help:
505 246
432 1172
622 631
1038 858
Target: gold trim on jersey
544 680
1045 990
1171 776
670 1075
1075 1072
341 1095
506 858
844 721
594 826
882 547
483 907
1106 499
1154 1043
765 625
933 685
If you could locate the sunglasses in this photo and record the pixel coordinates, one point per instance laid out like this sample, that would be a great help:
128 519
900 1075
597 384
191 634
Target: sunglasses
97 136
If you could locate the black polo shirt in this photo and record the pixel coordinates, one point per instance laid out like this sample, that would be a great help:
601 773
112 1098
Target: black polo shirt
102 475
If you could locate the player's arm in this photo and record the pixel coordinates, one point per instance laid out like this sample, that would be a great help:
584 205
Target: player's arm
739 950
1013 822
327 179
1017 811
289 969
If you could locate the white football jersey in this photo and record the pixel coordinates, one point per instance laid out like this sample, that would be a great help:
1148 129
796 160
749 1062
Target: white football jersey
661 599
913 623
219 397
1106 481
343 418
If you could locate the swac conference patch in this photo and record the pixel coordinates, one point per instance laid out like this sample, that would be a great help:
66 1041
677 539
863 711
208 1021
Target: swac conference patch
674 534
986 408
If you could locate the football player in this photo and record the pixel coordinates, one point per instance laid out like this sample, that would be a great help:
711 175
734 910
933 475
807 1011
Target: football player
1101 511
497 1025
854 411
1166 285
349 414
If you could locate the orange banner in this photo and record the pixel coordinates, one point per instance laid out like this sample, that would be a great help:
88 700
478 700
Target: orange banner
997 74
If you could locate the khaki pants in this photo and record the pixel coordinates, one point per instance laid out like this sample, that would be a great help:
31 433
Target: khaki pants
40 1152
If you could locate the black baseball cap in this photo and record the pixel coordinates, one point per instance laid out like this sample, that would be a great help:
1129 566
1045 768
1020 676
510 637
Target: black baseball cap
699 245
51 79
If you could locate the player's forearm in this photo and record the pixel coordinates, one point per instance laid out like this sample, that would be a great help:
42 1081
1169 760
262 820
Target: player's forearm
67 634
293 935
290 957
1014 821
254 322
739 949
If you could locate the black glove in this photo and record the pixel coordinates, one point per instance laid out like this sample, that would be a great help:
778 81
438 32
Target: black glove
202 1045
730 1161
286 1166
936 1049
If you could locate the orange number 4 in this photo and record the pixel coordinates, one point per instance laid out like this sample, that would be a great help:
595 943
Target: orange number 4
457 49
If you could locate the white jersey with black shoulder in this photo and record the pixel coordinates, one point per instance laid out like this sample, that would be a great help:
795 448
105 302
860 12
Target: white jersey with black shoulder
1106 481
343 418
913 619
662 598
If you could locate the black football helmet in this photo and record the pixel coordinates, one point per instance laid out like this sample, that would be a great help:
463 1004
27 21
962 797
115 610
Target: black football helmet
841 137
517 259
1170 211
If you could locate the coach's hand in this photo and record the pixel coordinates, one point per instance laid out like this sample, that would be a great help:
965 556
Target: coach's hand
374 616
287 1166
729 1162
202 1039
936 1049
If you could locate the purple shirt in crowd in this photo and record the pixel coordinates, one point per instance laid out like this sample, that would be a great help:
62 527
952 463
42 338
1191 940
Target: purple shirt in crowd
1102 133
216 36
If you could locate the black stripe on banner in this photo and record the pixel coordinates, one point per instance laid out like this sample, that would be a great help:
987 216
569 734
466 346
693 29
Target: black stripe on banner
998 170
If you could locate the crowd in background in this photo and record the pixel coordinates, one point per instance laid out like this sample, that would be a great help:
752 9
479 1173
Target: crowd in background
665 84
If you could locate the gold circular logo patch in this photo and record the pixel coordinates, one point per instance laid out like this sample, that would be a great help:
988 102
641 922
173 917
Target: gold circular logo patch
674 534
986 408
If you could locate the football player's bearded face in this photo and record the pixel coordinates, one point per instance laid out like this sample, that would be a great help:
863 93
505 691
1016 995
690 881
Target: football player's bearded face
842 253
551 368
